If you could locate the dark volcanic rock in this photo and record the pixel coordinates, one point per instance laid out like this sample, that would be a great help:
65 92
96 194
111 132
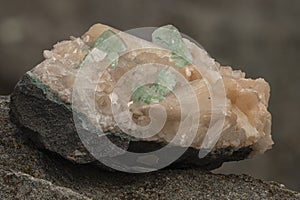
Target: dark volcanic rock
49 124
28 173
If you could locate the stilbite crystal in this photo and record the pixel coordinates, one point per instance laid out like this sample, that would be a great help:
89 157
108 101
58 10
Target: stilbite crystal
247 121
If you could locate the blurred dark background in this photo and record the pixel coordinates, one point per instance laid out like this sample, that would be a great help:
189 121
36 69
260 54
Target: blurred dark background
260 37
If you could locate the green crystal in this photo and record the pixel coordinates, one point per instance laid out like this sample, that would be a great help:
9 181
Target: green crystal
164 84
112 44
170 38
145 94
179 61
109 41
113 57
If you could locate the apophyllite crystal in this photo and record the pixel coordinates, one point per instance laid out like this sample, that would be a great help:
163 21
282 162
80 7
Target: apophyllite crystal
42 101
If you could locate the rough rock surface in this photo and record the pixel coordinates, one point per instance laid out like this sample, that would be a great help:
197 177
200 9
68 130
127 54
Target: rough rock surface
18 185
28 173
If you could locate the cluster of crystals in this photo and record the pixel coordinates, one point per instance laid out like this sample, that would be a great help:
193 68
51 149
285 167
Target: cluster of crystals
110 45
170 38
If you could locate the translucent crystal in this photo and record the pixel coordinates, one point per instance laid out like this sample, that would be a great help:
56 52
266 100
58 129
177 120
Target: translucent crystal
170 38
164 84
109 41
145 94
112 44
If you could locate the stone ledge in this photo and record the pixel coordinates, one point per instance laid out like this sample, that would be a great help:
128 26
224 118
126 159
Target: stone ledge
26 172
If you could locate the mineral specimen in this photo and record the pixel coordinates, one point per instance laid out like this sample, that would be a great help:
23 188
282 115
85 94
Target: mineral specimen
43 99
